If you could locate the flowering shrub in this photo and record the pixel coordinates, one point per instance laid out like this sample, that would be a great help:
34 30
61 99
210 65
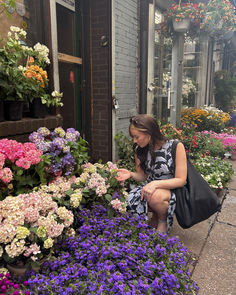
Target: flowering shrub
21 167
66 150
207 118
97 184
215 171
8 286
60 191
22 73
228 140
115 256
30 223
170 132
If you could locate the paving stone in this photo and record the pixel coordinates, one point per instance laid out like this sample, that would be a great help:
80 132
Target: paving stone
215 271
227 214
193 238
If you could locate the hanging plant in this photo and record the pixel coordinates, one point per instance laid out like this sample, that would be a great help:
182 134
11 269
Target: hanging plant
215 18
219 18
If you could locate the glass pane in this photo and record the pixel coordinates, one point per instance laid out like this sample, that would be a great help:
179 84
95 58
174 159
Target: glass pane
191 68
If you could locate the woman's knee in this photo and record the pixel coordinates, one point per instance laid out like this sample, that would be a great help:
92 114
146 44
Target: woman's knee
161 196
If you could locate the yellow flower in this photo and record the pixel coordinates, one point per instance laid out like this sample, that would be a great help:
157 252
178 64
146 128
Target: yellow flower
22 232
41 232
48 243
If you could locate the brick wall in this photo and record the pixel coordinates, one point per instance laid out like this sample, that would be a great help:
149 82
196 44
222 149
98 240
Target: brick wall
100 81
20 130
126 61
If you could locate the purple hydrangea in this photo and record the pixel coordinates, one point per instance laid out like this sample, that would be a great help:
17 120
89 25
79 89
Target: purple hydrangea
72 134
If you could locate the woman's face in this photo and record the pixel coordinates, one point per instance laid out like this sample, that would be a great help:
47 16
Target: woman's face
140 138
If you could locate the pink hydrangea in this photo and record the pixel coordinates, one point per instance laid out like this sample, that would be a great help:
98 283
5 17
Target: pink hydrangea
116 204
6 175
32 249
31 214
23 163
54 229
2 160
23 155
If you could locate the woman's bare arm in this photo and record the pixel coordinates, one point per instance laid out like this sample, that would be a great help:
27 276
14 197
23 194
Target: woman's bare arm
180 174
139 175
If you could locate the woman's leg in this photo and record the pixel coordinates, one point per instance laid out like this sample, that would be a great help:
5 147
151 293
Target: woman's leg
153 220
159 204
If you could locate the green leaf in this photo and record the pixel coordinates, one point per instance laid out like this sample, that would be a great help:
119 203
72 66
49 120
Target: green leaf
19 172
108 197
110 212
69 192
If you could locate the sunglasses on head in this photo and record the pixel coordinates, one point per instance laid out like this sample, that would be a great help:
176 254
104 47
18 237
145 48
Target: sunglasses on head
133 121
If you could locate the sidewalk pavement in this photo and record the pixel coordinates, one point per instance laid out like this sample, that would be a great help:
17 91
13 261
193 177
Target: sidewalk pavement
212 245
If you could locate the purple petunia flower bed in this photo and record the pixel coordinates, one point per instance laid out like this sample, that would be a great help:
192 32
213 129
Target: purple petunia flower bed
119 255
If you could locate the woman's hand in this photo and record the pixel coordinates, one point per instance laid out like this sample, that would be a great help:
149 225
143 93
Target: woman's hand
148 190
123 174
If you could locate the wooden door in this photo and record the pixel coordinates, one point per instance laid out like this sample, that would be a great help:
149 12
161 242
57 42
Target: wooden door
70 63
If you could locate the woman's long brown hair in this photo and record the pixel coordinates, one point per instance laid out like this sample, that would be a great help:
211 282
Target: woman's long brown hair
146 124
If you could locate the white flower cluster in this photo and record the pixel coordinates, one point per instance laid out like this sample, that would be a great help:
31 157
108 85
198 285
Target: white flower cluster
43 52
187 87
17 32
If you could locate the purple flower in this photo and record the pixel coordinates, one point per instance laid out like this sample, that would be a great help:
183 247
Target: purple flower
36 137
72 134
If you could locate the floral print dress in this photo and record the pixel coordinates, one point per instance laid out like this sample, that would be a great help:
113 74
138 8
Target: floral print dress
162 169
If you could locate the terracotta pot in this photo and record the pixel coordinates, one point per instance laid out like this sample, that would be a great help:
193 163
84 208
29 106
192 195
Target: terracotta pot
17 270
181 26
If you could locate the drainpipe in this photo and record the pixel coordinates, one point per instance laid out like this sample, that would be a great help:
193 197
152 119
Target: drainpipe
176 83
54 45
144 9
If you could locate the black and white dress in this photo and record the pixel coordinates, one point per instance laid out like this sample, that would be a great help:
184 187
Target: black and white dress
161 169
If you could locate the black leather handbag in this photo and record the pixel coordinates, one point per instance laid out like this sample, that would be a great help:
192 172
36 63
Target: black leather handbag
196 201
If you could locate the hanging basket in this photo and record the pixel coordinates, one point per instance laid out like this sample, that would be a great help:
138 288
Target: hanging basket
181 26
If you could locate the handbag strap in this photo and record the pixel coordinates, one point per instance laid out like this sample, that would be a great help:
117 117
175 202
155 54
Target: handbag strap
173 153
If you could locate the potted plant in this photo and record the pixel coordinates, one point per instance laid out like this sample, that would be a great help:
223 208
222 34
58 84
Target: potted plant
14 86
33 222
216 18
21 167
23 77
65 149
219 18
180 17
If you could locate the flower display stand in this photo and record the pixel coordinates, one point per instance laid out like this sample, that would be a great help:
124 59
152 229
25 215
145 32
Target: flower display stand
181 26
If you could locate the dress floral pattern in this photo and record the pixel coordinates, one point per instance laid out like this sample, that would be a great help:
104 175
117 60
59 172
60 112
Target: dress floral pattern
161 169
